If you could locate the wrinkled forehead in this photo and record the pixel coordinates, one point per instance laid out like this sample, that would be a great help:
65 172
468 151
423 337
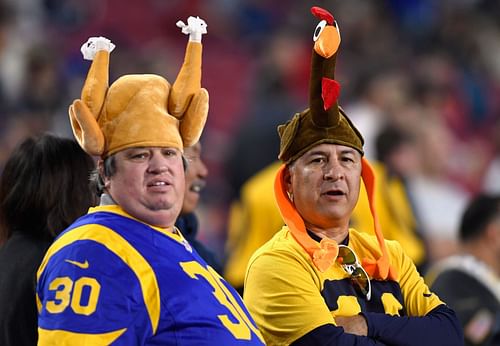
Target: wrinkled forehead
329 149
140 148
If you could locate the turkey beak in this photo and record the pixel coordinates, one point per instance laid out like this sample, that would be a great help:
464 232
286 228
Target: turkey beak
328 42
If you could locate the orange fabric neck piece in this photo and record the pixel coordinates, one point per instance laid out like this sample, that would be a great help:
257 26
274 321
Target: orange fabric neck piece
324 254
380 268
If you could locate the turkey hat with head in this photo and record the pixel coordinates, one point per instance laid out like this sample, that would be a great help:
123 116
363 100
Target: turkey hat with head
325 122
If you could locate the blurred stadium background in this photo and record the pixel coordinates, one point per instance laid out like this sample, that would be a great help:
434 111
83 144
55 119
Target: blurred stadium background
432 67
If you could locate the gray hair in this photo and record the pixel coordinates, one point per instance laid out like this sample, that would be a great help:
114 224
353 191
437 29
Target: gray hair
109 169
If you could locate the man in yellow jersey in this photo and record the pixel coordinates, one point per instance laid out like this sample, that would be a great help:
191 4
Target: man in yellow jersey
317 281
124 274
253 220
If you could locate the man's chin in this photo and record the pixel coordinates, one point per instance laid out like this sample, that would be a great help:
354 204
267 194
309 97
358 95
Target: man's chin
160 217
163 208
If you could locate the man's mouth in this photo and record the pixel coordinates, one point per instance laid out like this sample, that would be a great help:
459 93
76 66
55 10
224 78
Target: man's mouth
334 193
159 183
197 186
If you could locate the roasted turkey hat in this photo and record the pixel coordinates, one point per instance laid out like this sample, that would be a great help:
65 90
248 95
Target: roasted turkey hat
138 110
325 122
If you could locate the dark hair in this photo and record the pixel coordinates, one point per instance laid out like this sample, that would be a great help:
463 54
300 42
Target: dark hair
479 213
44 187
388 140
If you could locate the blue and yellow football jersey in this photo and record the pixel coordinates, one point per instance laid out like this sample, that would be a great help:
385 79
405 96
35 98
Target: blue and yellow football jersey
110 279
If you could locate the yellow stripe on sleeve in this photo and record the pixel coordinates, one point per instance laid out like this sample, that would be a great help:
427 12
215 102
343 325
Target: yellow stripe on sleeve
62 337
38 303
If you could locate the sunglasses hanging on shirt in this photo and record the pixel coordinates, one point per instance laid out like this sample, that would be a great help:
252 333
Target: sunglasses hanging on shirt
349 262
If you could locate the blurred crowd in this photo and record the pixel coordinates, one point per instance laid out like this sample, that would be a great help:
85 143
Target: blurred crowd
431 68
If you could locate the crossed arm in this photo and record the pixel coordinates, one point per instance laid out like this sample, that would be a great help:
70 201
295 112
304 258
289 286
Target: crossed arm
439 327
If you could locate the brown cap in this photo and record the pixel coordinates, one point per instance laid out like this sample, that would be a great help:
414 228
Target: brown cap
302 133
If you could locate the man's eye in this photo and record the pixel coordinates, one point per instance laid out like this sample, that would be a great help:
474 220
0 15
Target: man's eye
318 160
139 155
169 152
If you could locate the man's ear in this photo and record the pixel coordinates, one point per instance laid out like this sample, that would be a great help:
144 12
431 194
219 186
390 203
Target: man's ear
287 177
100 170
491 234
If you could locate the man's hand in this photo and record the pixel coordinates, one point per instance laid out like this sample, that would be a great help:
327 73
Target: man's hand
353 324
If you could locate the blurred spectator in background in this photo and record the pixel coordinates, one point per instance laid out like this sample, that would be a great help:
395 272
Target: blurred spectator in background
196 173
253 219
491 181
439 201
281 82
44 187
470 281
377 100
396 160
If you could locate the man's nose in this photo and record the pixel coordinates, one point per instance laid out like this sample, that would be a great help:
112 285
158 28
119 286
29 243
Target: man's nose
332 171
203 171
158 163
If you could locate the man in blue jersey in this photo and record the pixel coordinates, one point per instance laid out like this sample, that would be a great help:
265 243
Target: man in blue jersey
124 274
318 281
